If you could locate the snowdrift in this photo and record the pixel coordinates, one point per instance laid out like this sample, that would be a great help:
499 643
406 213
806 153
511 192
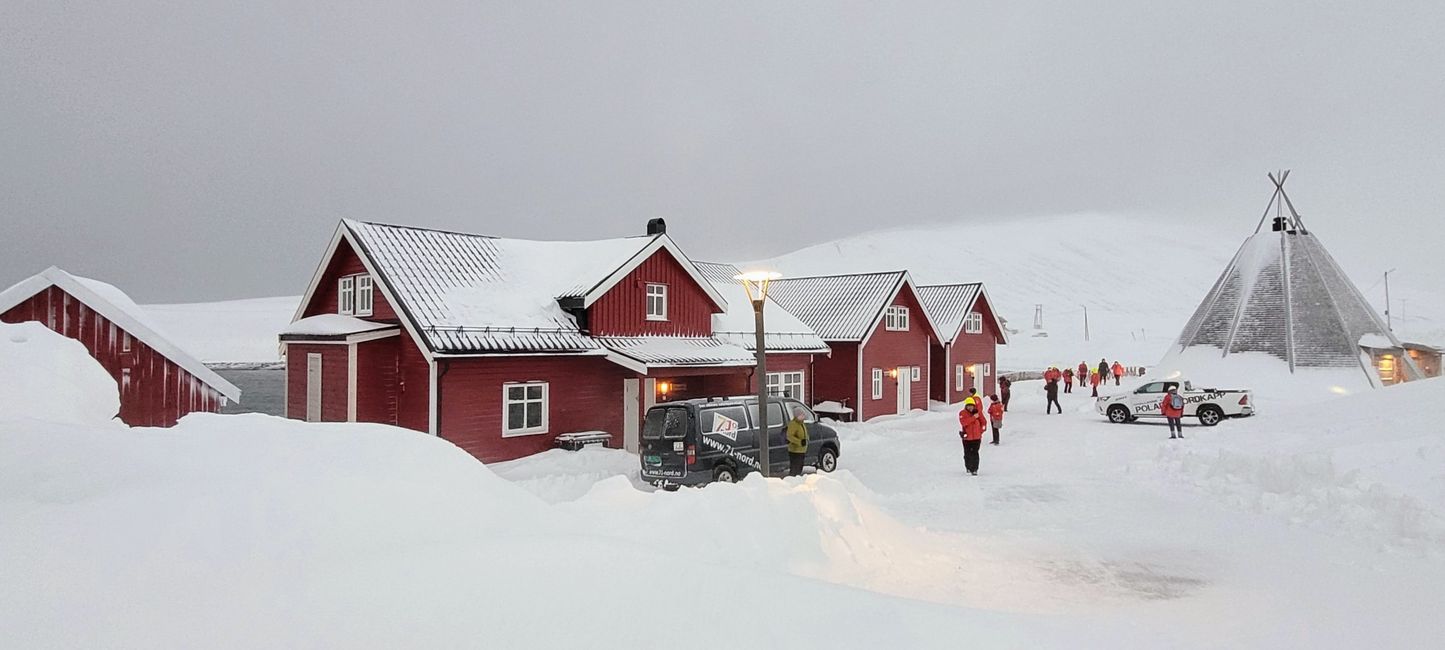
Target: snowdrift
1268 376
46 376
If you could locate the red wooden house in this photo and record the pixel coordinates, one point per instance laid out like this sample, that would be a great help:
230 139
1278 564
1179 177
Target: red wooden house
879 334
965 355
499 345
158 382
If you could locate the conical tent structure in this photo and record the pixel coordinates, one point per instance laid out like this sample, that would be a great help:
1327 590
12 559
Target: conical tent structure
1284 295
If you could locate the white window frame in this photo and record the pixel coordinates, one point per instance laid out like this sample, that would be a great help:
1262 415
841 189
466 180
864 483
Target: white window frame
780 383
125 382
973 323
656 301
915 373
365 295
346 296
877 383
125 341
896 318
544 403
958 377
988 369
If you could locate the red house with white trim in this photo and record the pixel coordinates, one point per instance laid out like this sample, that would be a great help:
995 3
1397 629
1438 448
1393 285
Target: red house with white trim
159 382
879 334
500 345
965 356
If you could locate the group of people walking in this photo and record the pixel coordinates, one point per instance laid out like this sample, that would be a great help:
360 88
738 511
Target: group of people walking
972 422
1094 375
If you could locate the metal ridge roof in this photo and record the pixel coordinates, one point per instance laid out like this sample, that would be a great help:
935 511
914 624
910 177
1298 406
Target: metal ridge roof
838 307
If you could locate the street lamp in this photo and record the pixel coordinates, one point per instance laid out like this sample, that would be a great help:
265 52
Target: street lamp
755 283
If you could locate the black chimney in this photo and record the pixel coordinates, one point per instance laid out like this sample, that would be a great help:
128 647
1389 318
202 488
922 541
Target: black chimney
657 226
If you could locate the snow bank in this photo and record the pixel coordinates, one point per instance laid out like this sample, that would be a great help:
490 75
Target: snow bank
558 475
46 376
1268 376
1367 465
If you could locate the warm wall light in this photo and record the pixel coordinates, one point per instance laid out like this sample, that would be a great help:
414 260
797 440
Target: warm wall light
893 373
664 388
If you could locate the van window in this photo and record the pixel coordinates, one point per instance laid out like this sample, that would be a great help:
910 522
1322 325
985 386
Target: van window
669 424
723 419
775 413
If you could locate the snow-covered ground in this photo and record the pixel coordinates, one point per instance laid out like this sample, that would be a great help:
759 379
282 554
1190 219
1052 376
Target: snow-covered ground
1319 526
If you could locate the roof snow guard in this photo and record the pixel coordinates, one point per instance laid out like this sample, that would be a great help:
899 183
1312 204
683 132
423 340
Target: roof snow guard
642 353
118 308
1284 295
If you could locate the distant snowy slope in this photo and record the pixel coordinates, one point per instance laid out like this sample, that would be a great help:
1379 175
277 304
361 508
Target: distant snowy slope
233 331
1139 279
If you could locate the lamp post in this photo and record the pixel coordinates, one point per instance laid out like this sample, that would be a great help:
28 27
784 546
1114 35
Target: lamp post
1389 320
756 285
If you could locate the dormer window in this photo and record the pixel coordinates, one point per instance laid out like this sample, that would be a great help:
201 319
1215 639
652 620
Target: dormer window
896 319
973 323
354 295
656 302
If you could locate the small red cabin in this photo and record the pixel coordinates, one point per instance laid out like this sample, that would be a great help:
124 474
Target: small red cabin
159 382
500 345
879 334
965 356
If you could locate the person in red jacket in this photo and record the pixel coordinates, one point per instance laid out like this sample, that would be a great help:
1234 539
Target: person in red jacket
1094 381
1118 372
1068 380
1172 406
971 424
1083 373
995 416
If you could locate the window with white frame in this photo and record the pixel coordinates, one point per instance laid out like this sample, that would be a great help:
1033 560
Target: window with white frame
363 295
125 342
877 383
916 373
896 318
656 302
346 296
958 377
786 384
524 409
973 323
988 369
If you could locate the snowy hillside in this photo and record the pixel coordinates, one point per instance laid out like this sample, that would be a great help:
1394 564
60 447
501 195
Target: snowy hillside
1139 280
233 331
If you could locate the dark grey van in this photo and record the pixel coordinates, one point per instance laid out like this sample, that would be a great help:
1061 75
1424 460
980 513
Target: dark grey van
694 442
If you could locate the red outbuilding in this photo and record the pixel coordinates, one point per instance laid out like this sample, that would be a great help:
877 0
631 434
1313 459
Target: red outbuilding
964 357
879 334
158 382
500 345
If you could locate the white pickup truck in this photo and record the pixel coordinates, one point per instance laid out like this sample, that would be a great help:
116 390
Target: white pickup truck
1210 405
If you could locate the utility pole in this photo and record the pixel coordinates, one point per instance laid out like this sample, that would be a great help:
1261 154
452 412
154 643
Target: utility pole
1389 322
1086 322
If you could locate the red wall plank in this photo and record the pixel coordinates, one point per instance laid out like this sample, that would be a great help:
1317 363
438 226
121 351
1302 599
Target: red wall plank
969 349
835 376
333 380
376 372
889 350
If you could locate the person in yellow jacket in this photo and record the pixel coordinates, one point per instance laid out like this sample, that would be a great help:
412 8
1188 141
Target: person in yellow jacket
797 443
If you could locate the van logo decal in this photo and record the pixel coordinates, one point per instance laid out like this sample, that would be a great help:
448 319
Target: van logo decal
725 426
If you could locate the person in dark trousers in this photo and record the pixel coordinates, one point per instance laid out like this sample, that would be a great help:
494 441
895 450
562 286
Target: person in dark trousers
797 443
1172 406
1051 389
1118 372
995 416
1003 390
1083 373
1068 380
1094 381
970 427
1103 371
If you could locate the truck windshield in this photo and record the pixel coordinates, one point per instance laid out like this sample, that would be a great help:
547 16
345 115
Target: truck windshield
665 424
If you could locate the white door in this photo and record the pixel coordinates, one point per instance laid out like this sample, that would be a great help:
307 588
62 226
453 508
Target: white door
313 387
631 421
905 390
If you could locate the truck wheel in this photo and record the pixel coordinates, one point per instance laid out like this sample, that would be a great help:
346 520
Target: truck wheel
827 460
724 474
1118 414
1210 415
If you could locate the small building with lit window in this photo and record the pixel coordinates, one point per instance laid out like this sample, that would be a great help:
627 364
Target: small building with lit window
879 338
965 355
501 345
159 383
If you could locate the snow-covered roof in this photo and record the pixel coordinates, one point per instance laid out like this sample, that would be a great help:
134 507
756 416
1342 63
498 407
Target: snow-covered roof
840 307
118 308
674 351
947 304
473 293
333 325
784 332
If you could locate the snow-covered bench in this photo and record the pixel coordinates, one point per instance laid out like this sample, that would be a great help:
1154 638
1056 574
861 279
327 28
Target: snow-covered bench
577 440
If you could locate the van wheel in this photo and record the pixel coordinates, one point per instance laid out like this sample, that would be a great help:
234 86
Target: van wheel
1210 415
724 474
827 460
1118 414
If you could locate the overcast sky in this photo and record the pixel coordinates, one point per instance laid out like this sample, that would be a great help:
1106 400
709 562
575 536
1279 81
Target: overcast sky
205 150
